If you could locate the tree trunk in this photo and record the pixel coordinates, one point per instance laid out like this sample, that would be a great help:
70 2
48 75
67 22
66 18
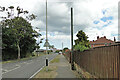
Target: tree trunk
18 51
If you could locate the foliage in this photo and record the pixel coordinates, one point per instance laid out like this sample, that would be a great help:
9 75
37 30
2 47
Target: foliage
10 13
81 43
18 34
49 51
18 37
51 46
80 47
57 51
65 49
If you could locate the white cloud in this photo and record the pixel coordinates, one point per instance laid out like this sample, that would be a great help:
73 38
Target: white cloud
90 11
85 13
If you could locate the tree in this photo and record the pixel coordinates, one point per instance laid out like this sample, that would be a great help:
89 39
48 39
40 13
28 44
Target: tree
51 46
65 49
18 35
81 43
57 51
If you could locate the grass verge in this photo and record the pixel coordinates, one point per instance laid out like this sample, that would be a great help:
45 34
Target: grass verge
22 59
49 71
56 60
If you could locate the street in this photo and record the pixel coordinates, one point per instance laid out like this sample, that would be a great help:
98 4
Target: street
24 69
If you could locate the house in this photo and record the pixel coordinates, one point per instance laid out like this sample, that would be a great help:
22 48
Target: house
54 49
40 50
102 41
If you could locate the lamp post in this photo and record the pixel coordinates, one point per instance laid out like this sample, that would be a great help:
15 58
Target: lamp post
46 28
46 43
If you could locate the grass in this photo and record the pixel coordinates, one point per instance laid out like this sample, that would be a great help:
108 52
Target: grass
56 60
22 59
49 71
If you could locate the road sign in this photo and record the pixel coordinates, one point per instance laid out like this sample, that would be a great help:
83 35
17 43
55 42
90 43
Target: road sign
46 44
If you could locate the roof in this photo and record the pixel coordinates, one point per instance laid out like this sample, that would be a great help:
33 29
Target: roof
101 41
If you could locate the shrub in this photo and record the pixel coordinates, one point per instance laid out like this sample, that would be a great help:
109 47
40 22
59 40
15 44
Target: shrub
80 47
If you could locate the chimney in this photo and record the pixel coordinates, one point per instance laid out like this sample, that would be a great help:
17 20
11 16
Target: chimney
114 39
97 37
104 36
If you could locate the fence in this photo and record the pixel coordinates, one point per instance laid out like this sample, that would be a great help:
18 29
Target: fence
102 62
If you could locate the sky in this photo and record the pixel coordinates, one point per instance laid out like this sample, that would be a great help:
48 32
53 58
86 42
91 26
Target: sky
94 17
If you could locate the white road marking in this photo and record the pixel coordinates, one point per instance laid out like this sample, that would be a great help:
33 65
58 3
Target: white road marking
38 70
29 62
4 70
24 62
18 66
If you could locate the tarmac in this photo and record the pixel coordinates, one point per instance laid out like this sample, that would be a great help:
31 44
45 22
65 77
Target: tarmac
64 69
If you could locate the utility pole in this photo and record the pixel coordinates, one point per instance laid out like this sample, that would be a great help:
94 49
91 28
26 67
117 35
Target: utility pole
72 63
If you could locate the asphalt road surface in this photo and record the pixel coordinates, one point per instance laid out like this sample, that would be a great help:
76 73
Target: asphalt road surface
26 68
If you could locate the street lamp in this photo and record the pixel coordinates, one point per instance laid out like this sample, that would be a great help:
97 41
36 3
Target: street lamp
46 43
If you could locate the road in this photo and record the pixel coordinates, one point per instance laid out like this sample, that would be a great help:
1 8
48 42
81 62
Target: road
26 68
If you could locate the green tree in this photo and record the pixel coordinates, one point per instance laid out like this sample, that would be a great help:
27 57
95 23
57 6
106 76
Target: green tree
57 51
51 46
18 35
81 43
65 49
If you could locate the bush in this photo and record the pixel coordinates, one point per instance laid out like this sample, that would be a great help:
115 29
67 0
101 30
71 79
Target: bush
57 51
80 47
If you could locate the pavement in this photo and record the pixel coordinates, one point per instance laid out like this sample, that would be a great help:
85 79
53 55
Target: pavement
64 69
25 68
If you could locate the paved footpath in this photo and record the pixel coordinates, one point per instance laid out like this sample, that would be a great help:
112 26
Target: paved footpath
64 69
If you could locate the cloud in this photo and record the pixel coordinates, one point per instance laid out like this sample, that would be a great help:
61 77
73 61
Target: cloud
95 17
104 19
56 39
96 22
104 11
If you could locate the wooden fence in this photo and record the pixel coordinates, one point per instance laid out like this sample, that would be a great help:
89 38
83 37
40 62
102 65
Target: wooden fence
102 62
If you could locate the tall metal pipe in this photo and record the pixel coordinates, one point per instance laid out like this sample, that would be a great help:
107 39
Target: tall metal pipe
46 39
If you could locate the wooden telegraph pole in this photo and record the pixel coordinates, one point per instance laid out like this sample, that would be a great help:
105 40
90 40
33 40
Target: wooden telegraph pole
72 63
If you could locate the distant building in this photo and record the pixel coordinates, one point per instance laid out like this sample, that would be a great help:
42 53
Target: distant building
54 49
40 50
102 41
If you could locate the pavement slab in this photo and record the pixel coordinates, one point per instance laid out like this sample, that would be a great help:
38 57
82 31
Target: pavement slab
64 69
